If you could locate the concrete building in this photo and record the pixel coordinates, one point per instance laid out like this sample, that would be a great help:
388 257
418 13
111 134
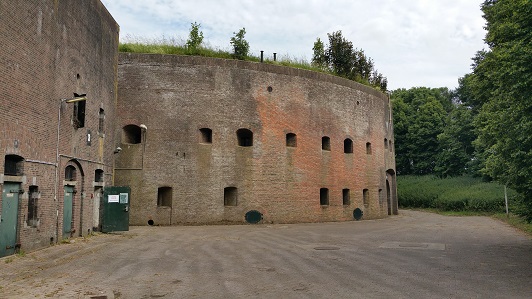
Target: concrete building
208 140
58 63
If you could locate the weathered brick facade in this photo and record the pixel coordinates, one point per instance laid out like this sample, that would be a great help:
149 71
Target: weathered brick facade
179 118
202 140
50 50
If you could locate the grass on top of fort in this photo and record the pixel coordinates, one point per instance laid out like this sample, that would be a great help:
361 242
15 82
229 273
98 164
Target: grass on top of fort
165 45
463 195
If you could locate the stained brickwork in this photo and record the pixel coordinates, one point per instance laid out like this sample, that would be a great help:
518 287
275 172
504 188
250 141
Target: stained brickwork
174 97
50 50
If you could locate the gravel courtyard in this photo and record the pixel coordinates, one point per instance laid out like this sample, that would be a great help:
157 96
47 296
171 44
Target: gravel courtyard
413 255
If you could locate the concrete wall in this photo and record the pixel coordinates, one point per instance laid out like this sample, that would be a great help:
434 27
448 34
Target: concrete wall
49 51
176 96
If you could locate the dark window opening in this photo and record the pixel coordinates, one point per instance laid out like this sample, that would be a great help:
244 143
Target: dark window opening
79 114
368 148
348 146
245 137
291 140
32 206
365 196
230 196
385 143
346 197
13 165
131 134
70 173
325 143
206 135
324 196
101 118
164 197
98 175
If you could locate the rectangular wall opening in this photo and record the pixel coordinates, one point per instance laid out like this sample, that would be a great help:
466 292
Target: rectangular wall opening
365 196
164 197
230 196
346 197
324 196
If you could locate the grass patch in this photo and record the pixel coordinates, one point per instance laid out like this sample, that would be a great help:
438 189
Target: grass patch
452 194
515 221
460 196
173 46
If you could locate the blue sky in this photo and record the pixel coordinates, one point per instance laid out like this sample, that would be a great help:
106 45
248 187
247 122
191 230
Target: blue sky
413 43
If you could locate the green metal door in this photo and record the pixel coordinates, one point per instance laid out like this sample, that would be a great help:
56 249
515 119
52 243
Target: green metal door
67 211
115 209
9 218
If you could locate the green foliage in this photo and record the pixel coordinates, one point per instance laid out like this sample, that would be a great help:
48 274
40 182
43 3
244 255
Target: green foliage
195 38
419 116
455 144
499 90
240 45
463 193
340 58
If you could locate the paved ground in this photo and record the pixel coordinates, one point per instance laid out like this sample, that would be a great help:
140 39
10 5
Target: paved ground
414 255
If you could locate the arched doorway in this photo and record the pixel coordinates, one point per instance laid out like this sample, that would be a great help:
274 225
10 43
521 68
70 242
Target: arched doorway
391 192
72 201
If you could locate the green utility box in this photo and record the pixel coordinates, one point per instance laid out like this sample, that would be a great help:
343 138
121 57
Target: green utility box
115 209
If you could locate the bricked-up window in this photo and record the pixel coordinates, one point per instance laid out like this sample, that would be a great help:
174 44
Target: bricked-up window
385 143
348 146
131 134
368 148
245 137
205 135
13 165
325 143
381 197
365 196
33 199
291 140
98 175
70 173
101 123
164 197
346 197
324 196
390 145
79 114
230 196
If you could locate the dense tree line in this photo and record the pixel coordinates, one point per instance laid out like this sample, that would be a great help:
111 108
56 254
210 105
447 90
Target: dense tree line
484 127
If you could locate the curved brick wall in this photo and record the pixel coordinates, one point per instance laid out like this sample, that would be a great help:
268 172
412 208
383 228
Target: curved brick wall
176 96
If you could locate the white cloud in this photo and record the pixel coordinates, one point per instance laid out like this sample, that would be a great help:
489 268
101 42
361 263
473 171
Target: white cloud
413 43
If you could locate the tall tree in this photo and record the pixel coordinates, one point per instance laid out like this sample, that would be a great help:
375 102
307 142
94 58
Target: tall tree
500 88
419 116
342 59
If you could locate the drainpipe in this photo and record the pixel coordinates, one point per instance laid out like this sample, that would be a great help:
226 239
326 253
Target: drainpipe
56 181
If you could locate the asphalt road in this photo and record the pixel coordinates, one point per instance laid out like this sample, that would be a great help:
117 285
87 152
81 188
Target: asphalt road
413 255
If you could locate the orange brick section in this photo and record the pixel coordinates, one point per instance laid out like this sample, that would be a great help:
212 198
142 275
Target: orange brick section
176 96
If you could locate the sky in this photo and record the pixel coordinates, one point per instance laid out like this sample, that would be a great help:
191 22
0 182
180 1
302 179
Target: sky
412 42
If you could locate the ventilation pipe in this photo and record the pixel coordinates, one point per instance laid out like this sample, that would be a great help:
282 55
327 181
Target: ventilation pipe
261 56
274 56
